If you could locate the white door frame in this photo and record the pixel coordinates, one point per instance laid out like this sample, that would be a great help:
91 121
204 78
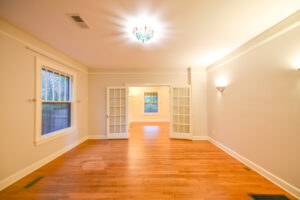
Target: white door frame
128 85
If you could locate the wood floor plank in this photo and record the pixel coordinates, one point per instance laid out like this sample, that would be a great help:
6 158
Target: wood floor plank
149 165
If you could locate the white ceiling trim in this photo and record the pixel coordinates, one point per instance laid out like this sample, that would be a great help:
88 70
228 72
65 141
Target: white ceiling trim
286 25
41 52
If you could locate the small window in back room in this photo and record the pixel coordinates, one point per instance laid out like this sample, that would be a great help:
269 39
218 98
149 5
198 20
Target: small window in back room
56 101
151 102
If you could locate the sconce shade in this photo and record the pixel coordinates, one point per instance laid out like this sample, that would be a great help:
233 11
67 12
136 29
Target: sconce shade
221 88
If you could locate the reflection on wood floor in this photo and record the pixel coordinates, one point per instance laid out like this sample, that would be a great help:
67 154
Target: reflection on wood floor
149 166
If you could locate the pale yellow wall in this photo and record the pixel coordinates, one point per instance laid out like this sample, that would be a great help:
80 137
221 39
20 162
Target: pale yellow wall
258 116
17 113
136 104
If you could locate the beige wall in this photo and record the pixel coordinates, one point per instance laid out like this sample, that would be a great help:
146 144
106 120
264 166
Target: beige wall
17 113
97 91
258 115
199 104
136 104
98 81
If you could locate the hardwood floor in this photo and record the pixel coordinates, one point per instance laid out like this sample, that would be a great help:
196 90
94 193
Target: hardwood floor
147 166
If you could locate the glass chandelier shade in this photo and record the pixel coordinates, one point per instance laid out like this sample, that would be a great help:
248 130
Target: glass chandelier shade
143 34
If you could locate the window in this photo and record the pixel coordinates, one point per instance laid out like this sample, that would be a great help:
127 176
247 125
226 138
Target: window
55 112
56 104
151 102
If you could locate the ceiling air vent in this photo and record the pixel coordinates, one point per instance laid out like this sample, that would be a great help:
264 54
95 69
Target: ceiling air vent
79 21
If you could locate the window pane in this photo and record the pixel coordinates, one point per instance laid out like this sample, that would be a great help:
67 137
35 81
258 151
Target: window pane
44 84
151 108
55 116
62 88
56 87
155 98
68 88
50 81
147 98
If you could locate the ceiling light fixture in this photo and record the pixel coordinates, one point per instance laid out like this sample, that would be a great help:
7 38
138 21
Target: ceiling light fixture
143 34
144 29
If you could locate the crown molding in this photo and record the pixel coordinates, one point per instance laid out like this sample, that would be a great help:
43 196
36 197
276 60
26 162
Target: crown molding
288 24
11 31
161 71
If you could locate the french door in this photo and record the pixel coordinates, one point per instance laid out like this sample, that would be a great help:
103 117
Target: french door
181 126
117 113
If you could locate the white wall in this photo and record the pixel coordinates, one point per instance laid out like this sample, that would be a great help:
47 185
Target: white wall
258 115
136 104
17 116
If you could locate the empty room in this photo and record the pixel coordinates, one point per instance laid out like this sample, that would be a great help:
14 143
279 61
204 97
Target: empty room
149 99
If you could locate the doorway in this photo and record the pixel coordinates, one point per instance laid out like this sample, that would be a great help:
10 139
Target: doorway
177 105
149 110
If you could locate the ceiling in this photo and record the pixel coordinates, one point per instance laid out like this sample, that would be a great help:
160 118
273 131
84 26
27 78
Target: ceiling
191 33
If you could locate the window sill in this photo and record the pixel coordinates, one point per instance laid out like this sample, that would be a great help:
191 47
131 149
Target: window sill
151 113
54 135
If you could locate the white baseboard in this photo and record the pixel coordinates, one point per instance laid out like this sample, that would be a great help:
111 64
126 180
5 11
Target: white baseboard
151 120
93 137
118 136
196 137
265 173
24 172
181 136
103 137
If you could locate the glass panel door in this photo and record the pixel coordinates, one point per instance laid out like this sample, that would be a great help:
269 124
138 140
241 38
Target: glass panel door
181 126
117 112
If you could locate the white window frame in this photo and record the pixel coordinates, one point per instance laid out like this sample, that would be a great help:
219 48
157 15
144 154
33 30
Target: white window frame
42 63
158 103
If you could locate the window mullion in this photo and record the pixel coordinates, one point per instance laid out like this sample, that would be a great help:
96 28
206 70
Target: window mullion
59 75
46 96
65 89
53 86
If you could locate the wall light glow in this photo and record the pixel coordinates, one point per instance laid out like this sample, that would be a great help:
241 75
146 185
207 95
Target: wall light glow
221 82
296 63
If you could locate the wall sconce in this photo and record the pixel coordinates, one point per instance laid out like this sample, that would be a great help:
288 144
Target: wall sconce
221 84
296 63
220 88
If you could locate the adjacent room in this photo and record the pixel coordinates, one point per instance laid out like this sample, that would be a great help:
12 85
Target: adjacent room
149 106
149 99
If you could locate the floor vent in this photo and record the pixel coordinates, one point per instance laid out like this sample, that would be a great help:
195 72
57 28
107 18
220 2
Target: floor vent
33 182
268 197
